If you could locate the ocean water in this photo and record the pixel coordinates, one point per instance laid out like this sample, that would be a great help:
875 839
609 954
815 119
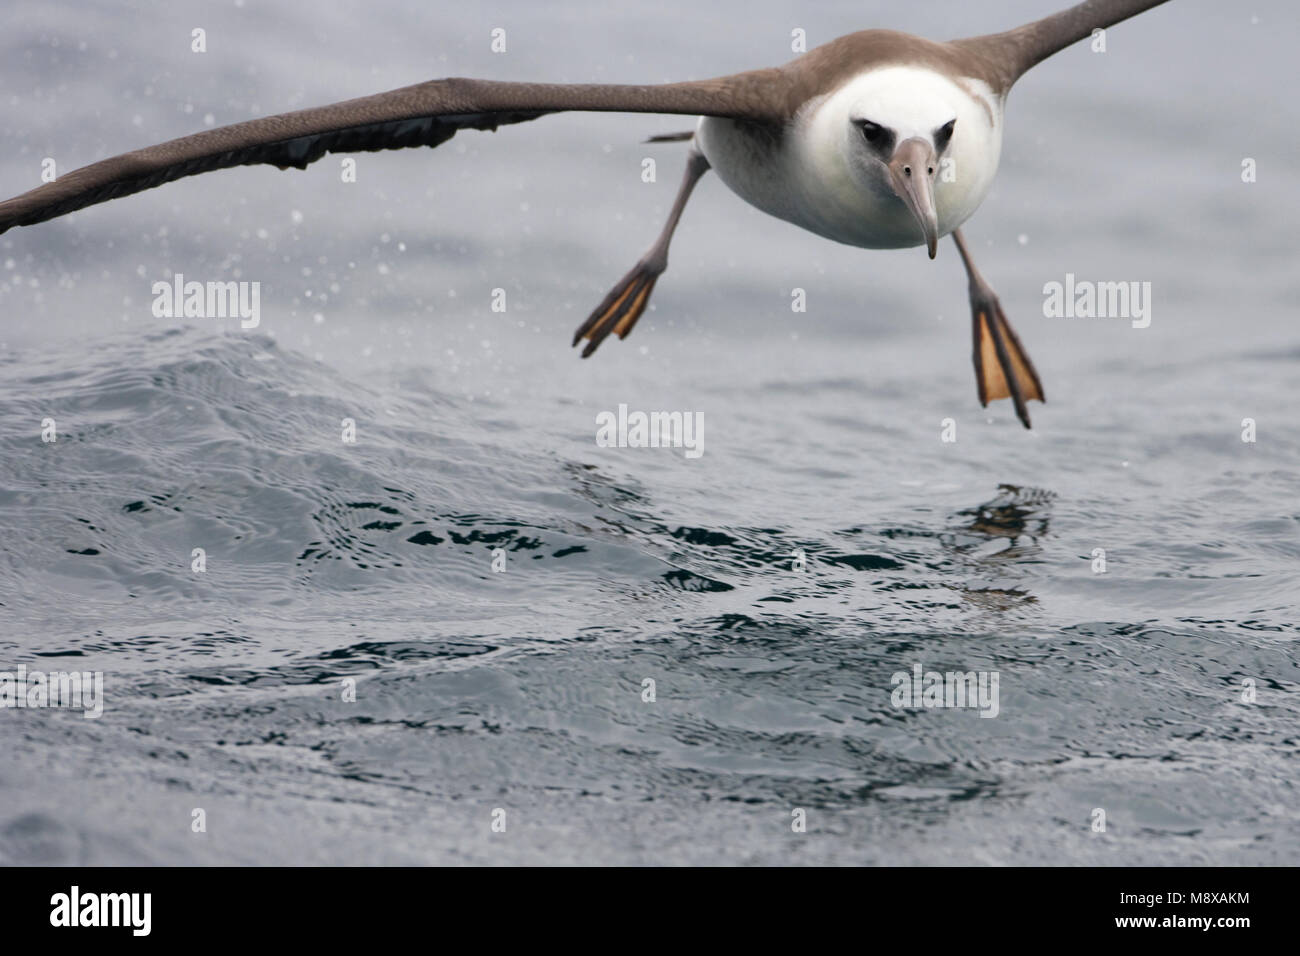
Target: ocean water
1162 691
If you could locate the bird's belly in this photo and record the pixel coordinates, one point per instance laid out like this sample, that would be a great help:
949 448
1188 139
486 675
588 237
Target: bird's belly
756 165
759 165
859 218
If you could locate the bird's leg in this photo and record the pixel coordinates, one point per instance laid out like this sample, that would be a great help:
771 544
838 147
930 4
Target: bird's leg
627 300
1002 369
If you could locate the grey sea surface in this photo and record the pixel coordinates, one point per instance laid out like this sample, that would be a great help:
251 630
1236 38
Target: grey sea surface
1127 691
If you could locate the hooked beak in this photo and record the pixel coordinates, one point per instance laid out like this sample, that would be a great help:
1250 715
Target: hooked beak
912 174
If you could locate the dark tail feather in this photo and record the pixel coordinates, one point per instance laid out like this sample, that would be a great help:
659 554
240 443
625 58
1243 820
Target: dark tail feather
671 137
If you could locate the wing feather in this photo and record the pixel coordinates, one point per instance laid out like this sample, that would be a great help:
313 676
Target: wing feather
426 114
1011 54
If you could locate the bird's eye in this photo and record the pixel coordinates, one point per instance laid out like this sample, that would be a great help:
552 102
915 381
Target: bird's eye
872 132
943 134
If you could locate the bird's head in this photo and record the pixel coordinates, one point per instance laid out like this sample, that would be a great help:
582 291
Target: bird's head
906 160
899 155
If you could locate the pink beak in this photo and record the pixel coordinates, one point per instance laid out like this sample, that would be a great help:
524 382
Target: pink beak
912 170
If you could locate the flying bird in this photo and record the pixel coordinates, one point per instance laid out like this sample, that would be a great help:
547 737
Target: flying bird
847 141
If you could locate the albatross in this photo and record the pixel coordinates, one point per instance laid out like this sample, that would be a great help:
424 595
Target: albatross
846 141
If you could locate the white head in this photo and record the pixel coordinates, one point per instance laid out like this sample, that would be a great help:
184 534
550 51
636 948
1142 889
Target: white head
890 132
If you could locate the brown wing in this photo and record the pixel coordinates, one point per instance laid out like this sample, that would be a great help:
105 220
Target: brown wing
426 114
1009 55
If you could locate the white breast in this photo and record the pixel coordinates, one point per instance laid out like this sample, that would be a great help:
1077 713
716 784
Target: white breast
805 177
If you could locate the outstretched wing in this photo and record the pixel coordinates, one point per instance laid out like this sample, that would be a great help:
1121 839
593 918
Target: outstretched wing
1009 55
426 114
